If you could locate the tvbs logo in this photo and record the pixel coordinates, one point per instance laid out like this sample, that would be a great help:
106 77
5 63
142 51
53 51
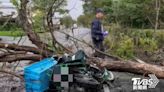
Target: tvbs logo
144 84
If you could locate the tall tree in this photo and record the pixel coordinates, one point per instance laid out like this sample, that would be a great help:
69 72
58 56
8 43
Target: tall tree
67 21
132 13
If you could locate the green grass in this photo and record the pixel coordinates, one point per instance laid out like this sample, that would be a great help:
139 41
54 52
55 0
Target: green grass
15 32
11 33
11 30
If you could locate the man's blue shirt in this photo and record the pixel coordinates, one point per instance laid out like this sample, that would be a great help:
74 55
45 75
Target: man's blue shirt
96 30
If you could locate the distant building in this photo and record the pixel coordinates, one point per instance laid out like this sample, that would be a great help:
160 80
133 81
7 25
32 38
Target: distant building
7 10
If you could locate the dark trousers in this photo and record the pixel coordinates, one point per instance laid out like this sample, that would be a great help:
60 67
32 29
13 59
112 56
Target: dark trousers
98 44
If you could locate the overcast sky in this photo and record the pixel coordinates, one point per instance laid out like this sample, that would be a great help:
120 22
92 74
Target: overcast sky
74 5
4 0
77 8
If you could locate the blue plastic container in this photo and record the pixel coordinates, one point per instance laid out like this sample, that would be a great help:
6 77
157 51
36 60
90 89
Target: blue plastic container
38 75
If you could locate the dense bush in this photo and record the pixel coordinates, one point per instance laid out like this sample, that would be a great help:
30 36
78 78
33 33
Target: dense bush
125 48
127 42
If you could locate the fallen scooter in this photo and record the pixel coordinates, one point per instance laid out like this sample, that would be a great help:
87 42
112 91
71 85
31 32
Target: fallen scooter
86 77
92 79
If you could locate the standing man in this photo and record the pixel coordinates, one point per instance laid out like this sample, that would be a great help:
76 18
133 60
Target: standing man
97 32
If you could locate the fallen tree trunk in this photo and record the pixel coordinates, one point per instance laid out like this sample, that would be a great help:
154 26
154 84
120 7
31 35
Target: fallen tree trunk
12 53
17 57
25 48
134 67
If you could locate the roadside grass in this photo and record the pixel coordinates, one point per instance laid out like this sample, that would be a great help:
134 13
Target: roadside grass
15 32
12 33
11 29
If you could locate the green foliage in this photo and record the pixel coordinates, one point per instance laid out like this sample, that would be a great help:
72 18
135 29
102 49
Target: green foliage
38 21
44 5
90 6
11 33
67 21
85 20
11 30
127 42
132 13
128 13
159 36
148 44
125 48
16 3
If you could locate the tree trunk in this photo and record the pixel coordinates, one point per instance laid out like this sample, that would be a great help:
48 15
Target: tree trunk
129 66
157 14
134 67
24 48
17 57
28 28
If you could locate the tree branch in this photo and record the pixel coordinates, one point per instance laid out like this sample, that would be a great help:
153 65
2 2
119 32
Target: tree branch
17 57
28 28
51 29
82 41
24 48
